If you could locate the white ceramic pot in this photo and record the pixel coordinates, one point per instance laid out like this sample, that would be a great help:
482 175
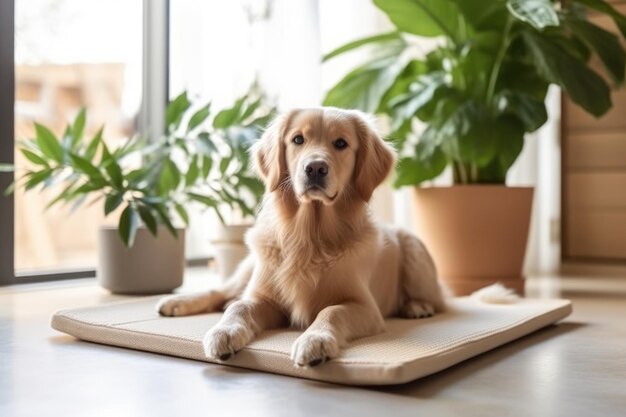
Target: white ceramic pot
230 248
153 265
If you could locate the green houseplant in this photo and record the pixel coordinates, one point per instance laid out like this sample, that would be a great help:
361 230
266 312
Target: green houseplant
200 159
477 93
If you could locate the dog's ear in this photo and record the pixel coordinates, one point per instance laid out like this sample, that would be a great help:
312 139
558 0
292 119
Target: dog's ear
269 153
375 158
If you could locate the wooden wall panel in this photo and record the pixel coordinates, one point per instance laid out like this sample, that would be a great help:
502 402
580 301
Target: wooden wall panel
599 150
596 190
599 234
594 177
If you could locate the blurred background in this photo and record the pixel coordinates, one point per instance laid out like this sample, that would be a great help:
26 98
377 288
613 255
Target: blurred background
71 54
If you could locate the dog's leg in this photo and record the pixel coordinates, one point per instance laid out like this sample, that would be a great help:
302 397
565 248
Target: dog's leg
421 294
241 322
333 327
210 301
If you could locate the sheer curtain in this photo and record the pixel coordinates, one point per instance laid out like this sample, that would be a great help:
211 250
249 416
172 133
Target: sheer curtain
539 165
218 49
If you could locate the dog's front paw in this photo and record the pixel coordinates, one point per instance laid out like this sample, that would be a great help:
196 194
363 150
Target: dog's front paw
174 305
314 348
223 341
417 310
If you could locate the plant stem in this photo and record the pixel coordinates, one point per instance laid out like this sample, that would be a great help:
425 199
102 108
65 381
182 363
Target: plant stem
473 173
497 64
460 168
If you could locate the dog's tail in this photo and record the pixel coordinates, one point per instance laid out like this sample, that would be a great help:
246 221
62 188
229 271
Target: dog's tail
496 294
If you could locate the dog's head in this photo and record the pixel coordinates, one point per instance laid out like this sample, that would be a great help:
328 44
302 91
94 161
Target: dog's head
322 154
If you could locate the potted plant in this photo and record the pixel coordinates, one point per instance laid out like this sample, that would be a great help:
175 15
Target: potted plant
477 93
150 182
235 189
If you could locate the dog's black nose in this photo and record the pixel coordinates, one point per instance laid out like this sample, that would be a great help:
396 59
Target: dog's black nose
316 170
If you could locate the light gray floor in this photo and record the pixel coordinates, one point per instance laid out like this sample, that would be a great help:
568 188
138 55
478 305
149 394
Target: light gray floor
577 368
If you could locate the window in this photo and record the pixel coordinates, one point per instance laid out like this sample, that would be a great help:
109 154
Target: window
69 54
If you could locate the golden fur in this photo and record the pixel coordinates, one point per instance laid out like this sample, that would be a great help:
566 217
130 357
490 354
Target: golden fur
318 261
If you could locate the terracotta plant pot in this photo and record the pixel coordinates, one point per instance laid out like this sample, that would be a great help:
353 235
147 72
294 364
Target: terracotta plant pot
230 248
477 234
151 266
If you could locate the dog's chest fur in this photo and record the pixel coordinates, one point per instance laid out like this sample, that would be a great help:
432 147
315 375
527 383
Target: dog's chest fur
299 280
304 252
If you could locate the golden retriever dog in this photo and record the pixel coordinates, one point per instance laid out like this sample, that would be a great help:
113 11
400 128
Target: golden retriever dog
318 260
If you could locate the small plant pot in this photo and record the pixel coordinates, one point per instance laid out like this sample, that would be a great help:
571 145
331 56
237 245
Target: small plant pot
153 265
477 234
230 248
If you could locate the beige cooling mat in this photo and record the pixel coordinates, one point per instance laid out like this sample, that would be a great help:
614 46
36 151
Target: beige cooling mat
408 350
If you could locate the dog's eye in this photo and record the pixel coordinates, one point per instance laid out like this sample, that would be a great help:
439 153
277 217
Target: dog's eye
298 140
340 144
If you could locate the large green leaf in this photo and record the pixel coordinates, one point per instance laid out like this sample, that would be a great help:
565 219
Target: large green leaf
423 17
529 110
82 165
582 85
248 109
112 201
165 218
78 127
230 116
483 14
111 166
36 178
225 163
169 177
364 87
175 110
92 148
378 39
605 44
537 13
509 135
401 84
48 143
90 186
204 199
572 43
446 101
148 219
127 226
428 162
198 117
471 72
604 7
182 213
466 135
33 157
420 93
207 164
522 77
193 171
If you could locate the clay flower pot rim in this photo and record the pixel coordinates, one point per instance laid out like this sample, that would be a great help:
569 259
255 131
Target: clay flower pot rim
237 225
230 233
